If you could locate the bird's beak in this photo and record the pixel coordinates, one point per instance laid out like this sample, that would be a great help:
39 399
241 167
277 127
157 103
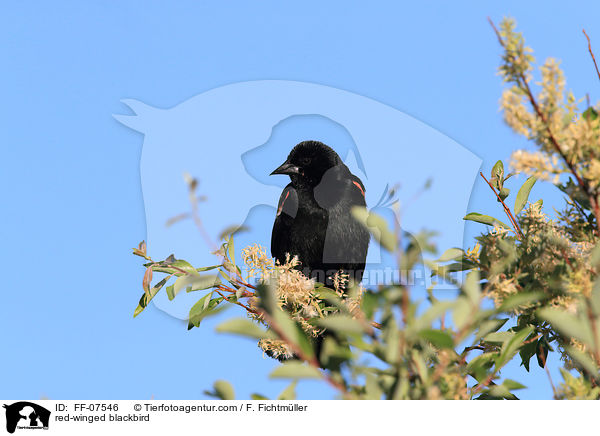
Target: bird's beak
286 168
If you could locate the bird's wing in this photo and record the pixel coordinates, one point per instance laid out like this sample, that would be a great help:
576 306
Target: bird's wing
288 202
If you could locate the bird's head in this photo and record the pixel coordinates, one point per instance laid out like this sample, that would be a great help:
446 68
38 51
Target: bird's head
308 162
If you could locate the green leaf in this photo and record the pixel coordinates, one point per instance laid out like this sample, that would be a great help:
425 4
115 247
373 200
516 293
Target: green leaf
288 329
207 268
488 326
451 254
435 311
568 325
391 336
258 397
479 366
574 191
145 300
422 367
244 327
595 256
485 219
439 338
513 385
369 303
520 299
584 360
541 351
527 351
377 226
192 282
372 388
508 176
498 337
232 230
523 194
171 263
463 310
444 270
332 351
504 192
295 369
510 348
289 393
590 114
498 174
224 390
341 323
231 249
471 287
203 308
595 298
498 391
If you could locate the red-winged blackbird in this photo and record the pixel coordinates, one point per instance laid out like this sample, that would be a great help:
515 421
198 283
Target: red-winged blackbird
314 219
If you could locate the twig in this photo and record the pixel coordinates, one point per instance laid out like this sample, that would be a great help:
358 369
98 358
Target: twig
196 216
236 302
543 358
592 53
496 31
376 325
464 353
506 210
489 379
244 283
529 341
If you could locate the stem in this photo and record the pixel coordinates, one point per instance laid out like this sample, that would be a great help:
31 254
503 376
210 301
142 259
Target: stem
512 219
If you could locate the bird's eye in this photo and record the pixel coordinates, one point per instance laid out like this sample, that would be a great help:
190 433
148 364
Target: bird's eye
305 160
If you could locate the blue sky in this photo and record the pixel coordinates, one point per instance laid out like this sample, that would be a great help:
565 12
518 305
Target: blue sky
73 204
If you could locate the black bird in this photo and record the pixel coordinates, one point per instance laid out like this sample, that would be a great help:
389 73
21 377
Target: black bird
314 219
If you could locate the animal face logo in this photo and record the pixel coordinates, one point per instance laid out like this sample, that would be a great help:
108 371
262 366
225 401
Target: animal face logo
231 138
24 414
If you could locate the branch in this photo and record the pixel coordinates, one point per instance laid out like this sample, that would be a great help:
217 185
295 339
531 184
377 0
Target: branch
522 81
592 53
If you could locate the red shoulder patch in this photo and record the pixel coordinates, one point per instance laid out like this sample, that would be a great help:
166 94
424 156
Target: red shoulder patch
362 191
280 208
